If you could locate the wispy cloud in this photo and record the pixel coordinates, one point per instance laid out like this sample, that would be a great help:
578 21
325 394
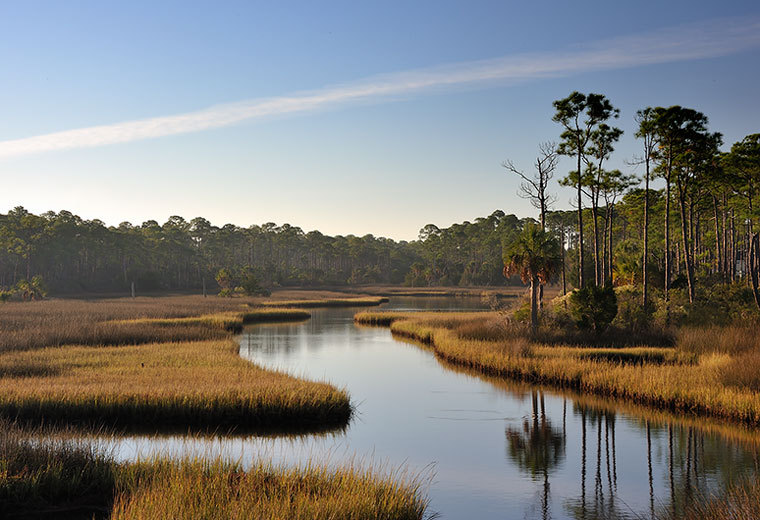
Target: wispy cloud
682 43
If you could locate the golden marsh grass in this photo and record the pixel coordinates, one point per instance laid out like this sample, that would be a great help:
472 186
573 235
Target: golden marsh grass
219 490
367 301
160 386
154 364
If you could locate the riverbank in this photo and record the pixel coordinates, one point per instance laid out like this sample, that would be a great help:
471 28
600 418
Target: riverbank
676 378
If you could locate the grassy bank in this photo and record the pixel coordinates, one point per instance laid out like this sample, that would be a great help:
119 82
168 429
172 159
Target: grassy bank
50 323
152 364
706 373
474 292
226 321
367 301
59 478
163 386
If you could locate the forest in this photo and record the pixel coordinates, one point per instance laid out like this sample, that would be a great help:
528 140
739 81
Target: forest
68 255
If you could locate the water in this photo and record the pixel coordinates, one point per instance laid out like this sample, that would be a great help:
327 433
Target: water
493 449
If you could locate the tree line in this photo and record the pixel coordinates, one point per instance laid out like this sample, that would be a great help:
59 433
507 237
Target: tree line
67 254
698 230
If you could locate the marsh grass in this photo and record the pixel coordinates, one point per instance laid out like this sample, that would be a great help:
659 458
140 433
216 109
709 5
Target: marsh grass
51 478
153 364
49 475
367 301
739 502
732 340
224 321
711 383
49 323
164 386
222 490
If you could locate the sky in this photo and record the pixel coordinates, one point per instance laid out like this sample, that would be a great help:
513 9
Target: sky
345 117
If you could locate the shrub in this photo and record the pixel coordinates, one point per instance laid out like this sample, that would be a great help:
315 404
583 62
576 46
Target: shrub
632 315
594 308
250 284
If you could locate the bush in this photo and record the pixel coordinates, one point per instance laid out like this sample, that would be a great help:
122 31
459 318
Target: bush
593 308
250 284
240 282
632 316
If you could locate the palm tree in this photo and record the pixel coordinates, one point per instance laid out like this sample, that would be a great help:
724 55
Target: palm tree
535 256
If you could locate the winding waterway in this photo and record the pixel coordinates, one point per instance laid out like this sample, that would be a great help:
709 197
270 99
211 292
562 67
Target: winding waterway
492 449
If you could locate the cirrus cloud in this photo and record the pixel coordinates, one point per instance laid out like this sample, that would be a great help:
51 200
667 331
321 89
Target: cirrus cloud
682 43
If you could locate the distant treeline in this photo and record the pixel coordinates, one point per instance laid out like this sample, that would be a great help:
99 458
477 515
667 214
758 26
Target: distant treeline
70 254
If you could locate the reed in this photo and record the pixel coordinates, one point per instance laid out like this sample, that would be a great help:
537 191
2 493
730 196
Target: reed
55 477
738 502
226 321
670 378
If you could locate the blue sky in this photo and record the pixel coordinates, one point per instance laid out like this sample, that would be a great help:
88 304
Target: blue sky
347 117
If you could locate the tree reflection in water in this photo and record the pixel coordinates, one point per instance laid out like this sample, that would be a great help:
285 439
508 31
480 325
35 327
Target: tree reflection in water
537 448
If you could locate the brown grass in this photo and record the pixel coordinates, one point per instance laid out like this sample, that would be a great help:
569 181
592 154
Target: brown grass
499 291
46 323
739 502
152 364
162 386
366 301
725 340
219 490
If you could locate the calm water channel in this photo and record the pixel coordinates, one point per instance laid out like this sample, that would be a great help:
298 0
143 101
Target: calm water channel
493 449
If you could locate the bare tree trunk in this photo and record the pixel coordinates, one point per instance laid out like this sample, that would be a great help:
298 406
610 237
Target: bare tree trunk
534 285
732 245
564 282
609 247
724 267
718 261
606 266
685 241
667 237
595 217
580 227
754 266
644 278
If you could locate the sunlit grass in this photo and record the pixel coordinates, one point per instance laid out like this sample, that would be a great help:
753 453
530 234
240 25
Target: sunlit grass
739 502
48 323
153 364
221 490
367 301
232 321
160 386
